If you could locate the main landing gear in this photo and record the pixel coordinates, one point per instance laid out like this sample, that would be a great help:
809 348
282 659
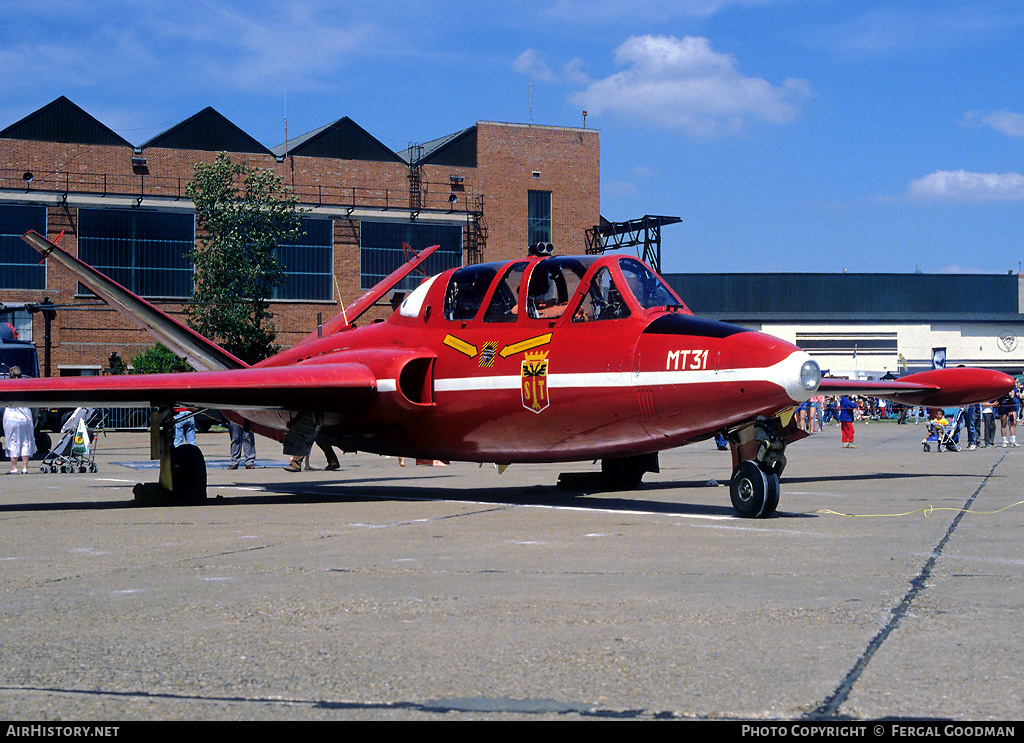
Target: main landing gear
758 453
182 468
625 473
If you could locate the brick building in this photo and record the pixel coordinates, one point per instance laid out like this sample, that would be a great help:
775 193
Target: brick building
483 194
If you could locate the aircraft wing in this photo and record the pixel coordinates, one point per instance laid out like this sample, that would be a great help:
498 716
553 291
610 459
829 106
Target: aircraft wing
275 388
198 351
937 388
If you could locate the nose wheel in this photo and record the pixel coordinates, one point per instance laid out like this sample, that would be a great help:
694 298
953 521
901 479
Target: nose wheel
754 490
759 457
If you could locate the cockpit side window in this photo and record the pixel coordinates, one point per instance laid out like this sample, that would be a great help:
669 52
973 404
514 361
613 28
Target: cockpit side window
603 301
648 288
466 290
552 284
504 304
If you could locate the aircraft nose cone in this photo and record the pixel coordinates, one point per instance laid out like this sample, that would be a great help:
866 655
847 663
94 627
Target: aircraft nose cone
786 365
991 384
810 375
801 376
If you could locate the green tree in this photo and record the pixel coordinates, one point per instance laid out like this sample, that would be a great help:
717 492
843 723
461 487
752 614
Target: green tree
156 359
245 213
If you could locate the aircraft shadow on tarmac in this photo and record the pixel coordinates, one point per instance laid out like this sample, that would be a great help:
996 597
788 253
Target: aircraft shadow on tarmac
583 492
427 488
553 496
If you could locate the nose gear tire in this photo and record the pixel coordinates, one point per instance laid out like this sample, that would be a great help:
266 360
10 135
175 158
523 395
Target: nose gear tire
754 492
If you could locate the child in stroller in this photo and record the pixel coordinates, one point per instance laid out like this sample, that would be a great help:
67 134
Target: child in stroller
940 431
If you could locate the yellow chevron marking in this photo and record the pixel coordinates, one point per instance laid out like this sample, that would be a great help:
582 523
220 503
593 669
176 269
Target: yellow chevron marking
460 345
513 348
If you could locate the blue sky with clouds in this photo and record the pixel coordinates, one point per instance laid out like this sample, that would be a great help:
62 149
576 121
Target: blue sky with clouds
789 135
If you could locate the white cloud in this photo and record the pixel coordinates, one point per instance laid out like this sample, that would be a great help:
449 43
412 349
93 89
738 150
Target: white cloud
1003 121
644 11
620 189
532 65
898 27
962 185
955 268
684 83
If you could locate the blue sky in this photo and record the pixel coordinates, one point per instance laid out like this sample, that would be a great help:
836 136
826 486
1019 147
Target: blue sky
789 135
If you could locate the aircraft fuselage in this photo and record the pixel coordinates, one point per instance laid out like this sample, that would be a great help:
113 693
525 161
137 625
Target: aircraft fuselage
552 384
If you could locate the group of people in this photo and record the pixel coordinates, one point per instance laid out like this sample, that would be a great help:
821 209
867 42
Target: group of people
243 444
811 416
979 420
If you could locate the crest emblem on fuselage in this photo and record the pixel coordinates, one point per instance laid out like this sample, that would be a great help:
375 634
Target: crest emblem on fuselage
535 381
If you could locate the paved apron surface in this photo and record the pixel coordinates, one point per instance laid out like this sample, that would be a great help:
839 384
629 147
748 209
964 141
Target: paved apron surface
387 592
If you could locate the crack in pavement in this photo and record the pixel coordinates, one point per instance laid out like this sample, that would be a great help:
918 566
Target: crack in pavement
829 708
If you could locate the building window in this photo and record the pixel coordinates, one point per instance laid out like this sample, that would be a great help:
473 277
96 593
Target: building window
20 320
848 344
381 249
308 262
538 217
146 252
20 267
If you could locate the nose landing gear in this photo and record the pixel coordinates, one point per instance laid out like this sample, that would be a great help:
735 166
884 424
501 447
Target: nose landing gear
758 454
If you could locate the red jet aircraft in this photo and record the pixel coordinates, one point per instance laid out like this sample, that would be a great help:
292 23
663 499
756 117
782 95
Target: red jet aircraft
544 359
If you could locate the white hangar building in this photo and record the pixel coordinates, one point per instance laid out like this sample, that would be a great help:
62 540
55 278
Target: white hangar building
868 325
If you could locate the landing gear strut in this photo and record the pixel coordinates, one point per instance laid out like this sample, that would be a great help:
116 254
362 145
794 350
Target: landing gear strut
625 473
182 468
758 453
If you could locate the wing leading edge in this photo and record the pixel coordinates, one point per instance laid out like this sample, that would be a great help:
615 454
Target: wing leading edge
198 351
937 388
320 386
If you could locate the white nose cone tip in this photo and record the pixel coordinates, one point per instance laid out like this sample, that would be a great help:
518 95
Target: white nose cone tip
800 376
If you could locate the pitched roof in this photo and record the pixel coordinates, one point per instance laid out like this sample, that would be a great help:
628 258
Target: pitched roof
207 130
456 150
63 121
342 139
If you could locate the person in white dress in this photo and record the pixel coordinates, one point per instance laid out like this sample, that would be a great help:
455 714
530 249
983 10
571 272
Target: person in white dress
18 432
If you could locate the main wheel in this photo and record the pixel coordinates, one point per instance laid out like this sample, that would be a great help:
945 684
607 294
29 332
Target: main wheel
754 492
188 474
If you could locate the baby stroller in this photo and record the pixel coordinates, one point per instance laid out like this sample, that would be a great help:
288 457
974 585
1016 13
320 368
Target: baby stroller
76 451
940 433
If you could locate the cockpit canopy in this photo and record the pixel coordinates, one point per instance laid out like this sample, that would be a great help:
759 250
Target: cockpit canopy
592 288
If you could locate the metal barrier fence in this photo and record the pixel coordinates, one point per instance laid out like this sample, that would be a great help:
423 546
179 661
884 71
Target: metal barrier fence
129 419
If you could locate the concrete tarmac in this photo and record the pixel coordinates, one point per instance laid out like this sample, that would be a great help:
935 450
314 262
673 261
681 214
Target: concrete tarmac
889 585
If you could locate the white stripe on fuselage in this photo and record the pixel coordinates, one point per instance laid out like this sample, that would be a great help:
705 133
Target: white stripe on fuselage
785 374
